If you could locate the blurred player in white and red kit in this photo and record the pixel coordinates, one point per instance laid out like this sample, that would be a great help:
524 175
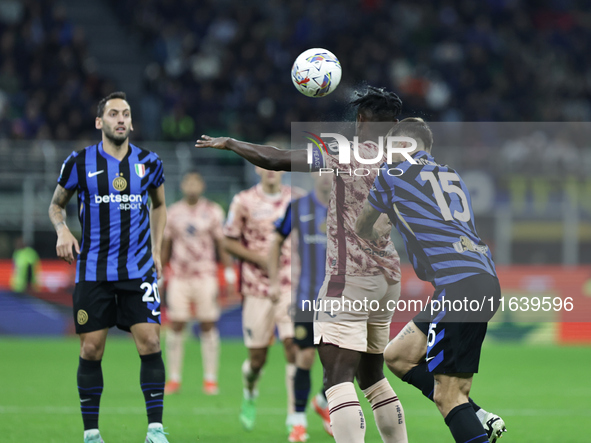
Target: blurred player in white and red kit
249 233
192 238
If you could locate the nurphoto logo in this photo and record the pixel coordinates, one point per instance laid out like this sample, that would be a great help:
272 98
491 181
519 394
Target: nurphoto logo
318 148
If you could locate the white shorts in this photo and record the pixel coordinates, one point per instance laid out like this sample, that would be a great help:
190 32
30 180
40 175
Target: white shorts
359 318
259 318
202 292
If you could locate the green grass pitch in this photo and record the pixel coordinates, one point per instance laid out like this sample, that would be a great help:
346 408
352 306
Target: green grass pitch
542 392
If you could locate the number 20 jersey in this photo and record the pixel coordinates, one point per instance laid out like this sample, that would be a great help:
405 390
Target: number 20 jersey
113 211
431 208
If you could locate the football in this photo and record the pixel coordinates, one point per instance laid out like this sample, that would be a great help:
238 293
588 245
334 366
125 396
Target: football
316 72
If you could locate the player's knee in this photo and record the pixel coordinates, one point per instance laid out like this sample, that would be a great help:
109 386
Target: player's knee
207 326
257 364
337 374
257 361
396 363
340 365
366 380
336 378
177 326
290 350
150 344
305 358
370 374
91 350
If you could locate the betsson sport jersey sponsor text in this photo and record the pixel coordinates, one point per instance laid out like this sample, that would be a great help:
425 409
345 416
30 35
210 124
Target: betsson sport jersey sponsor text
126 201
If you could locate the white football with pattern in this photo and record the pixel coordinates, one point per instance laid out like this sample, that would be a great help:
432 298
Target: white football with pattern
316 72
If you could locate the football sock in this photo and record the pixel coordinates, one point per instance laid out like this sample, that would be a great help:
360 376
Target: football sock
346 416
480 413
249 380
210 353
90 388
152 377
465 426
387 412
423 380
301 388
290 370
174 354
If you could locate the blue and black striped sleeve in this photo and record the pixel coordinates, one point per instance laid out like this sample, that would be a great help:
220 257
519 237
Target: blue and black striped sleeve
68 178
283 225
158 175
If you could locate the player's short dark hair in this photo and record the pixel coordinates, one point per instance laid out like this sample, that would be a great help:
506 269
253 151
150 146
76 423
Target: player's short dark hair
100 109
414 127
377 104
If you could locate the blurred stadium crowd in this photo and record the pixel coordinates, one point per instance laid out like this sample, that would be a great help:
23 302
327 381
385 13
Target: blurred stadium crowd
47 86
224 65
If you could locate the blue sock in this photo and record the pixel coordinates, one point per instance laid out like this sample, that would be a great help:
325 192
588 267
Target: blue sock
90 388
152 378
301 388
465 426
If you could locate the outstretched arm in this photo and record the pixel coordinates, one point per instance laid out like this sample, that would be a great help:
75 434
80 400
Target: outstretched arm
267 157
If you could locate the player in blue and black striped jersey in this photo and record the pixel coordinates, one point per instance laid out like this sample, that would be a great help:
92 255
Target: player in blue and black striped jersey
439 351
118 259
306 218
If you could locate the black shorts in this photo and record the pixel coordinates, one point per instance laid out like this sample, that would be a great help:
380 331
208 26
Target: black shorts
454 346
304 334
104 304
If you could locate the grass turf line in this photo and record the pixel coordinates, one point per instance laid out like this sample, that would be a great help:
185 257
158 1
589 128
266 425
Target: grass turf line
542 392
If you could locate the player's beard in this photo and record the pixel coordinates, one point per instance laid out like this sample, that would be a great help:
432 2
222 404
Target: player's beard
116 139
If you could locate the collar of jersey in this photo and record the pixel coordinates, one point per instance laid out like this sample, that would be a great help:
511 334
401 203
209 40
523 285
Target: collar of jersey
420 154
273 197
110 157
196 205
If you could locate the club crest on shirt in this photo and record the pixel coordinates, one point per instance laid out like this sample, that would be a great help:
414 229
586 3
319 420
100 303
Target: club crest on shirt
119 183
191 230
140 170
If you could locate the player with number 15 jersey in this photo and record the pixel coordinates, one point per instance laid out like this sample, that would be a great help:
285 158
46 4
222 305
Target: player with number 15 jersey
439 350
